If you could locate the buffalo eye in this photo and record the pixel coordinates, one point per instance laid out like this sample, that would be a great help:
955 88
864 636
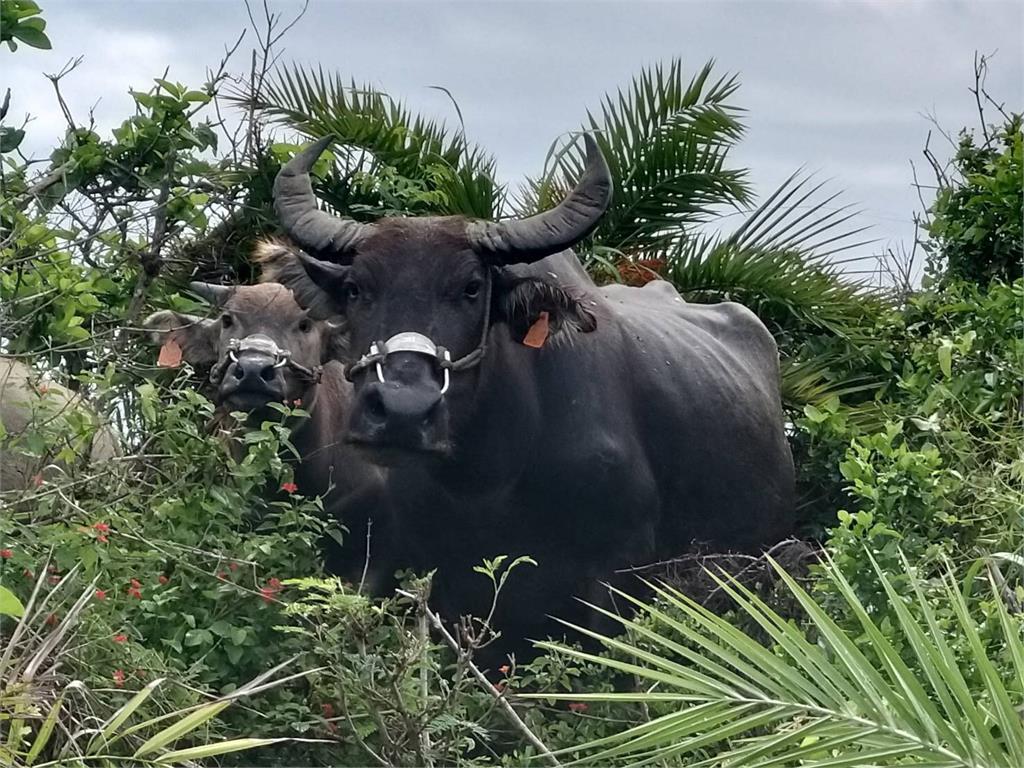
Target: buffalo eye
351 291
472 289
305 325
227 320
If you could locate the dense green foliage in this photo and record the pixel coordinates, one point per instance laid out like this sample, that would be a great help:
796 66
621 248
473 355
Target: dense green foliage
189 566
976 227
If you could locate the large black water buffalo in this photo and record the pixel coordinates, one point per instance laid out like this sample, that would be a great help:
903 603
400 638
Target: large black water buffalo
264 348
630 426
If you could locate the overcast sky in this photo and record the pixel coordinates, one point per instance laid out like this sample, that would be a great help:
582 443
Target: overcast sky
841 88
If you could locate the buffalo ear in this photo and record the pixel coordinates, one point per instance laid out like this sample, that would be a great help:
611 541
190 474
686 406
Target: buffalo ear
335 341
521 300
198 338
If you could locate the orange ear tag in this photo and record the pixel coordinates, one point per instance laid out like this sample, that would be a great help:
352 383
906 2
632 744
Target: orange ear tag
538 333
170 354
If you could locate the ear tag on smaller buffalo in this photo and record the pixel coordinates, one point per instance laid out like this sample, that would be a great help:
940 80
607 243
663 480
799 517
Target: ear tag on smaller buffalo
538 333
170 354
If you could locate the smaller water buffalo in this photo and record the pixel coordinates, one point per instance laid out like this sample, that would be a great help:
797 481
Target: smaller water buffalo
264 348
29 407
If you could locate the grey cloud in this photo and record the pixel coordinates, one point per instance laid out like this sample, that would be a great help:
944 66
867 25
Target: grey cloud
837 87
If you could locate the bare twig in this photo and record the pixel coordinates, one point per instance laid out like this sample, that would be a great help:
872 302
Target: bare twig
55 79
366 559
150 261
484 683
980 68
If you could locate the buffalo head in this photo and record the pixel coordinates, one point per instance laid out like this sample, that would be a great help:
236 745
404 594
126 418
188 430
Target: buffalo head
421 298
262 346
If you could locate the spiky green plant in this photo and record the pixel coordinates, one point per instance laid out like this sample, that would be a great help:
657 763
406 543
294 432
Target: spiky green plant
377 134
34 698
928 693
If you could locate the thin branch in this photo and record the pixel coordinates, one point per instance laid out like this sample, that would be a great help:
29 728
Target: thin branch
484 683
150 261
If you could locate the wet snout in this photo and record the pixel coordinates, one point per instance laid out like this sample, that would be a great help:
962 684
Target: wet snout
403 413
253 379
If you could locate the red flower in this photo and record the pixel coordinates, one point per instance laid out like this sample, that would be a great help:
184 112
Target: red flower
327 708
136 583
51 620
37 480
136 593
43 388
578 706
504 668
162 579
101 527
101 539
28 574
297 402
290 487
119 678
119 638
272 588
100 594
6 554
232 566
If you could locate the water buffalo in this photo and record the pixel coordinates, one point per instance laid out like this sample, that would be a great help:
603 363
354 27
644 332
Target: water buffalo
524 410
34 411
263 347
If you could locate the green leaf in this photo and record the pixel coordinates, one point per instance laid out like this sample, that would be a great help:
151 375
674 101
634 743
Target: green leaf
10 605
45 731
31 36
217 748
181 728
10 138
945 353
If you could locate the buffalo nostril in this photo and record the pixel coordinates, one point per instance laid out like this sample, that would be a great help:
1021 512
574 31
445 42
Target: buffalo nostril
375 407
268 373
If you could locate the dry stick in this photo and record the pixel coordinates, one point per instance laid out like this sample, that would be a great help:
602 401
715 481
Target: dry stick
481 678
366 559
151 260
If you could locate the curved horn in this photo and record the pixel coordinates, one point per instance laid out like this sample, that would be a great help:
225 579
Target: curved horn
215 294
528 240
314 230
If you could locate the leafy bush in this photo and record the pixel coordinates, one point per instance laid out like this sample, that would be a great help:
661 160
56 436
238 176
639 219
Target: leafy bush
197 565
976 229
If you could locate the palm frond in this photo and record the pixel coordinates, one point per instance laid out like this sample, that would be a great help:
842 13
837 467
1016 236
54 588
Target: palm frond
666 140
780 263
374 130
904 697
813 381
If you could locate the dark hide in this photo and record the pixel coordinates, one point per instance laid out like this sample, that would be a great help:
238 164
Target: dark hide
642 425
351 488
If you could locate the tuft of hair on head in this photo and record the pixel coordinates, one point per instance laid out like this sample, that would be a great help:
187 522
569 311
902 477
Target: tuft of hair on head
279 263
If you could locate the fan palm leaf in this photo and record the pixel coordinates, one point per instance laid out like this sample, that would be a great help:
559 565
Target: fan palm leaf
815 697
375 131
666 140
